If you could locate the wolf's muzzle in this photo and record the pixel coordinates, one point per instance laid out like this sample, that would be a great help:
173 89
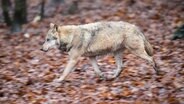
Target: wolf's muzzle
43 50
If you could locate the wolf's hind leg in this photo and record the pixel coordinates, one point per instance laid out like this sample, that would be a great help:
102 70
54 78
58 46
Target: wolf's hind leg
119 64
95 66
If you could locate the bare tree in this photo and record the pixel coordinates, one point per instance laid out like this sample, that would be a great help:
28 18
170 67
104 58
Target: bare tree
5 7
42 9
19 15
73 8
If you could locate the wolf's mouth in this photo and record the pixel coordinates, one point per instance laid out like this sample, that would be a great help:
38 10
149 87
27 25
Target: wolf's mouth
43 50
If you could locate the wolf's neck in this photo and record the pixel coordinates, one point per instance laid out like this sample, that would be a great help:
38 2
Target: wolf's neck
68 33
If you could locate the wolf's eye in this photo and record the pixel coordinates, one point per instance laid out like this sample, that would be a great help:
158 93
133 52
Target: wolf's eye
48 39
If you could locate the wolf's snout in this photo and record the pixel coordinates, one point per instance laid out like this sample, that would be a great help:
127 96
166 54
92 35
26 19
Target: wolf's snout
43 50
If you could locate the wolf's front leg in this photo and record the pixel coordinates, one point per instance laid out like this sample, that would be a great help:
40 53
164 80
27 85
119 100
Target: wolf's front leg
70 67
95 66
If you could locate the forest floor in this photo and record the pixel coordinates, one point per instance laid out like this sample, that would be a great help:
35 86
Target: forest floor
26 73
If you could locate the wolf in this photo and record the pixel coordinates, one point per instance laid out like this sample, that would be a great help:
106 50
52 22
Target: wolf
99 38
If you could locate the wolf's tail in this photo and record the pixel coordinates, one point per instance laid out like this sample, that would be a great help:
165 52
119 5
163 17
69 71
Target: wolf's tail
148 47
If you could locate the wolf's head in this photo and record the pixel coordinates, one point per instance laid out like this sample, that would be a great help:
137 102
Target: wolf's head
52 38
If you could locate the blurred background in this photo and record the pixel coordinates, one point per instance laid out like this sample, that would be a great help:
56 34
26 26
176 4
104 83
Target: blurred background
26 73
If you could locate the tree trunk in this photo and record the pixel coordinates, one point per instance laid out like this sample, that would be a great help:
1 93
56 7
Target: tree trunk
73 8
20 15
20 12
5 7
42 9
58 1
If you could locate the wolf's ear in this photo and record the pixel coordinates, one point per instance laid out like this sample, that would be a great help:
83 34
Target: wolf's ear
51 25
56 27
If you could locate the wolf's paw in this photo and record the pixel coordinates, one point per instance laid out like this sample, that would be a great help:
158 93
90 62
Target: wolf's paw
58 80
160 72
55 84
102 76
110 77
